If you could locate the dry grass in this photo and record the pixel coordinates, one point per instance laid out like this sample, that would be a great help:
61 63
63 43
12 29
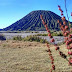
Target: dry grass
19 56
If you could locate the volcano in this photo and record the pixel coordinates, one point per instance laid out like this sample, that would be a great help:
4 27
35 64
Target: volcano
32 22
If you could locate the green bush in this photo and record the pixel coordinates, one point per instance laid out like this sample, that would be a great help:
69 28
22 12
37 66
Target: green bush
34 38
17 38
41 34
30 38
42 41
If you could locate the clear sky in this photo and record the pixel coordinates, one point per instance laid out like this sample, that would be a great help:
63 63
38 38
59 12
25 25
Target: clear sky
13 10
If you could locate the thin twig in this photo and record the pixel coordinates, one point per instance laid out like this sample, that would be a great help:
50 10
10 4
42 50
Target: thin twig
66 10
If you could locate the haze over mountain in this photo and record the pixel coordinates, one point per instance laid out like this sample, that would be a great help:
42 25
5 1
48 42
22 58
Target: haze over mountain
33 22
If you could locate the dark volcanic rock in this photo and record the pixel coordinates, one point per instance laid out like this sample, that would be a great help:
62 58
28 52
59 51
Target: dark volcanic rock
2 37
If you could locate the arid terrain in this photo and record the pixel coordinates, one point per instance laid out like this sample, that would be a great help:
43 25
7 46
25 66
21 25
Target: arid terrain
20 56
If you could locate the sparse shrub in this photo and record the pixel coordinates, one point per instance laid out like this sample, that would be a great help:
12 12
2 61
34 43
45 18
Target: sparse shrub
42 40
17 38
30 38
41 35
36 32
34 38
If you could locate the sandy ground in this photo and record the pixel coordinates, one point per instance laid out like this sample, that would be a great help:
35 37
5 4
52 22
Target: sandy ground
19 56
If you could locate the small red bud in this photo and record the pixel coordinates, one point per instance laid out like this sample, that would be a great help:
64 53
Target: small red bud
66 27
52 40
63 18
70 53
41 16
49 34
64 22
61 14
70 36
53 67
46 28
58 21
52 62
57 48
48 31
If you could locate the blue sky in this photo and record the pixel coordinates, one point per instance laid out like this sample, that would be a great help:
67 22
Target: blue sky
13 10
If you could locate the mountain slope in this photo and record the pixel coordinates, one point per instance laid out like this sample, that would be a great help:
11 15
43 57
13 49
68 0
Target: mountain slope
32 21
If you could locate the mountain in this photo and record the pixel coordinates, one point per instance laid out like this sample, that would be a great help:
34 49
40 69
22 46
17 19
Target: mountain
33 22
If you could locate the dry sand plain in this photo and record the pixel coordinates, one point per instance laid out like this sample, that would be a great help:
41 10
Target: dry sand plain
19 56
